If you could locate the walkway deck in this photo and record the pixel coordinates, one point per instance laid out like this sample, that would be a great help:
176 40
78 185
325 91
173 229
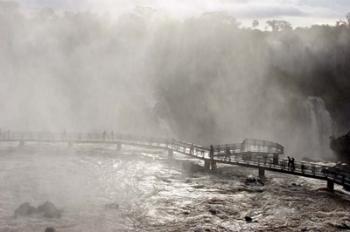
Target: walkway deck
244 154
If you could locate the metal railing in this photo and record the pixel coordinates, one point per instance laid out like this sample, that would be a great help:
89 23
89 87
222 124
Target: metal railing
234 154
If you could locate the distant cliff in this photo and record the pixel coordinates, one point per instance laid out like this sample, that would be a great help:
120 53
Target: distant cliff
341 146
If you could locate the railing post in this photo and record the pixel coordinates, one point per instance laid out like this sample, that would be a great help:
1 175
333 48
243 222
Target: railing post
261 173
213 166
275 159
207 164
330 185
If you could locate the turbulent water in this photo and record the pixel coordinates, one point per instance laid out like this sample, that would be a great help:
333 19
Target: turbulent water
101 189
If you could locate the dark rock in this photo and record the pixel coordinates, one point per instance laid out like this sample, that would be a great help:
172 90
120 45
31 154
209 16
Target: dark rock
223 216
342 226
25 210
49 210
198 186
341 146
248 219
252 180
216 201
186 213
50 229
213 211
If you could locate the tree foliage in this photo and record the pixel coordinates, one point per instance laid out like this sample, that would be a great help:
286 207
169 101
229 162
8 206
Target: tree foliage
279 25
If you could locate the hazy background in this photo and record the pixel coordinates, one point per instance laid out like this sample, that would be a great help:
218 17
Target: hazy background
174 69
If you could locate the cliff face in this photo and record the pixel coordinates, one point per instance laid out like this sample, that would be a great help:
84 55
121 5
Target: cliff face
341 146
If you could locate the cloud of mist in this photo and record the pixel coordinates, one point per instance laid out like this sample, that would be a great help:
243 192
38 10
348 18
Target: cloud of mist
201 79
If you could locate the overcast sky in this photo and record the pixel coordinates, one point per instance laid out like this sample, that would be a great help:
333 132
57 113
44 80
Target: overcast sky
299 12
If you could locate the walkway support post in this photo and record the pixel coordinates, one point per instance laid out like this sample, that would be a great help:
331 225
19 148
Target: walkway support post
275 159
330 185
212 161
261 173
207 164
213 166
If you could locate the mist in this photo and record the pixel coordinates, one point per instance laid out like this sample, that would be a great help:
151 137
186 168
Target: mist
204 78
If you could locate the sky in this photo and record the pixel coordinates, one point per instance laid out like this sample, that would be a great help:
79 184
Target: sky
298 12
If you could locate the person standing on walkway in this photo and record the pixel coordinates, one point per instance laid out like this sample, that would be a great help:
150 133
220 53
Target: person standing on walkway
227 154
289 162
292 164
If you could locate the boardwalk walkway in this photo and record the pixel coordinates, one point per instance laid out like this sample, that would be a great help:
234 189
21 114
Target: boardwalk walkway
259 154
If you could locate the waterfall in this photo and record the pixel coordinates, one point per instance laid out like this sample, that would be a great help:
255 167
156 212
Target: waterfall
320 127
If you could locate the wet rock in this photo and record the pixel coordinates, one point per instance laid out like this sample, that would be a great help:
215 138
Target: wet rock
341 225
295 185
252 180
200 229
248 219
216 201
49 210
186 213
199 186
25 210
50 229
213 211
223 216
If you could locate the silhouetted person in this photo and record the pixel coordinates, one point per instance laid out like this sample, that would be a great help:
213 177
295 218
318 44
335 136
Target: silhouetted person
192 149
227 154
292 164
104 135
302 168
289 162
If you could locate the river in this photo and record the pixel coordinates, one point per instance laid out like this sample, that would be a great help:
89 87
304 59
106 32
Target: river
101 189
